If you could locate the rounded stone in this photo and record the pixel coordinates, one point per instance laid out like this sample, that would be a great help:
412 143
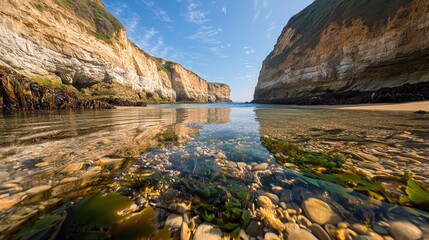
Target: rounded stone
208 232
405 231
360 228
38 189
274 199
319 232
260 167
301 234
271 236
174 221
319 212
290 227
255 229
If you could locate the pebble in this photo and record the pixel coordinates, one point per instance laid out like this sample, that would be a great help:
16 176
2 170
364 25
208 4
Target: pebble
207 232
375 236
374 166
260 167
363 237
301 234
360 228
255 229
274 199
283 205
38 189
71 168
319 232
271 236
42 164
320 212
174 221
185 232
290 227
405 231
368 157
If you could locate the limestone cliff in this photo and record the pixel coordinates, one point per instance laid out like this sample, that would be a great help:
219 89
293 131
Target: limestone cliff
80 44
349 51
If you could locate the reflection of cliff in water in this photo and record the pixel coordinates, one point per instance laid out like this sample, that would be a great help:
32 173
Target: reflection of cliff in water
71 154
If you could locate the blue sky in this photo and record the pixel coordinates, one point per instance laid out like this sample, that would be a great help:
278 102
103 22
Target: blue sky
220 40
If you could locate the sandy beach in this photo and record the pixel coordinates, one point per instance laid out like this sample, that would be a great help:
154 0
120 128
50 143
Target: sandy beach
408 107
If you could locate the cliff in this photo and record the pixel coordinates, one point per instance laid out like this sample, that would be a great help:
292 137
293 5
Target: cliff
79 43
350 51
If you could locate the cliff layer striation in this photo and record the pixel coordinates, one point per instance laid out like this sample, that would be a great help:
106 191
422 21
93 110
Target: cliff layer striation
341 49
79 43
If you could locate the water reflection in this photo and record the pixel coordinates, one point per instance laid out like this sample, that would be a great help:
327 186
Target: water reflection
208 163
66 154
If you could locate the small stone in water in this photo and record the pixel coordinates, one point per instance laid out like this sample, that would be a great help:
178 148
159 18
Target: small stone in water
301 234
38 189
319 212
319 232
405 231
207 232
271 236
261 166
174 221
274 199
255 229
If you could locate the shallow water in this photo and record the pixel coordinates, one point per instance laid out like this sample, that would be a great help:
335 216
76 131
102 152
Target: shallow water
215 147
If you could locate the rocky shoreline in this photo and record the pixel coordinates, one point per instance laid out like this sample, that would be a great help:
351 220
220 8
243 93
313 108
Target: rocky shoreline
20 93
400 94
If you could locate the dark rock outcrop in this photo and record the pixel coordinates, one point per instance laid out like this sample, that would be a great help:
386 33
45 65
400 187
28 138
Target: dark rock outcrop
20 93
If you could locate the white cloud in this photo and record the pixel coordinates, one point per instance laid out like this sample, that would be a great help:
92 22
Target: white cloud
194 15
269 14
224 10
132 23
271 29
206 35
248 50
257 13
158 12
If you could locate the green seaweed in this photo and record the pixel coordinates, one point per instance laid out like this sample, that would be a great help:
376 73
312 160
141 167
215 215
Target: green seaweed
222 201
138 226
416 195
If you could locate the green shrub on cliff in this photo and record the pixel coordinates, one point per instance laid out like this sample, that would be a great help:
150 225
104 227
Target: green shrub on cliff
94 12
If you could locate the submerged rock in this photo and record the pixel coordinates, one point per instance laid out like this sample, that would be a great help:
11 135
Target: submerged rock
301 235
405 231
207 232
320 212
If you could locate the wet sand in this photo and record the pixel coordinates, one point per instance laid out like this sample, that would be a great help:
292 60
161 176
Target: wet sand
410 107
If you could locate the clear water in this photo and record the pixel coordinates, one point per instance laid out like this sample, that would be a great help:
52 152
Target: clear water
70 152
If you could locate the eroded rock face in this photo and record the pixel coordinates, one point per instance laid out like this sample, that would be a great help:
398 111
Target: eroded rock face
19 93
67 44
345 48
